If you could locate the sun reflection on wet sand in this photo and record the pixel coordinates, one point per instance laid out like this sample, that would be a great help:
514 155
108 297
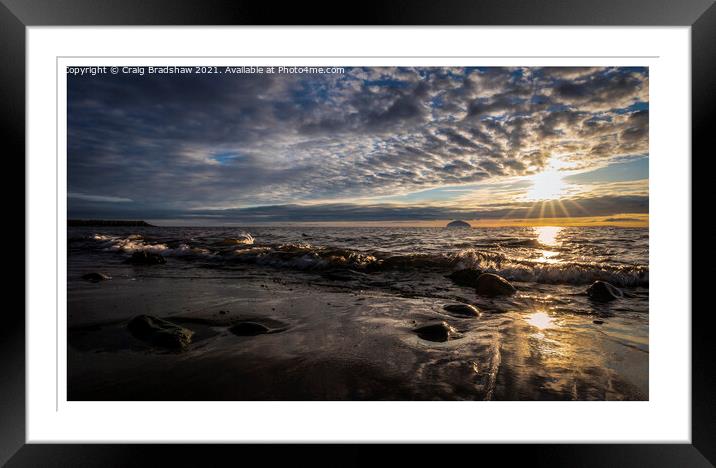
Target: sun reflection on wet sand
541 320
559 354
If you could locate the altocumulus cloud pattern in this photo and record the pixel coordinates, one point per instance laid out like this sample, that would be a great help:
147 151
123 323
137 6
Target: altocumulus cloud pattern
357 145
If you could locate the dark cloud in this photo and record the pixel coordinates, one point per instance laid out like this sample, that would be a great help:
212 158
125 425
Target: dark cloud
614 88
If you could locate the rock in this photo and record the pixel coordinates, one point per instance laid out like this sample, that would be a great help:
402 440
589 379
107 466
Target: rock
249 329
458 224
491 285
597 322
160 332
438 331
466 277
603 292
462 309
143 257
96 277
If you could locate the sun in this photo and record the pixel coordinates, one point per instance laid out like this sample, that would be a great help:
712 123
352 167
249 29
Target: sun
548 184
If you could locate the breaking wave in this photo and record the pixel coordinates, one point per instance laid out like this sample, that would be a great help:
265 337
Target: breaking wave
243 239
307 257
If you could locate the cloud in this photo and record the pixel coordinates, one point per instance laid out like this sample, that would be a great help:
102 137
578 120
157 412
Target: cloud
614 220
98 198
175 143
294 213
602 90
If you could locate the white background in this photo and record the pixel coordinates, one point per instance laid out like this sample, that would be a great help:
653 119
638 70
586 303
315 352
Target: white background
664 418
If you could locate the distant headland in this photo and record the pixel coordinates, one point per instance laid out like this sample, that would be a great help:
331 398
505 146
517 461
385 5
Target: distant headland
107 222
458 224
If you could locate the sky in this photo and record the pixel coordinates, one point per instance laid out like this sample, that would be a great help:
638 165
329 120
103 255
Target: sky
404 146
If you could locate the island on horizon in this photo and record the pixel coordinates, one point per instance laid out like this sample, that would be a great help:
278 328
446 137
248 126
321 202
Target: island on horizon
458 223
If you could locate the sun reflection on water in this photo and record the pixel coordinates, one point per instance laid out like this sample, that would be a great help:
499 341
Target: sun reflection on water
547 235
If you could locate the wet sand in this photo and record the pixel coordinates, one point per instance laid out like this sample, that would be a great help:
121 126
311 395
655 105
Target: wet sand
336 343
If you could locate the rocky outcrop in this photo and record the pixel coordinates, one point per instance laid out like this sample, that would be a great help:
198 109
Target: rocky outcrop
160 332
491 285
602 291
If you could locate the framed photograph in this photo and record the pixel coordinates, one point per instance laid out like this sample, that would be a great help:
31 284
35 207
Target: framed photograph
457 223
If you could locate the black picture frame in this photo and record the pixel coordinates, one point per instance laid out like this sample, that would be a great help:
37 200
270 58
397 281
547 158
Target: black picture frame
700 15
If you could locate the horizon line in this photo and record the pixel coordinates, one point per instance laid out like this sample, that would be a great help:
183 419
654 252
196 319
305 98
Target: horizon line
626 220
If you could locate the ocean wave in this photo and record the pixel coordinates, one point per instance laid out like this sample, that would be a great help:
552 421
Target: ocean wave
243 238
552 273
307 257
133 244
575 273
304 256
184 250
136 243
531 243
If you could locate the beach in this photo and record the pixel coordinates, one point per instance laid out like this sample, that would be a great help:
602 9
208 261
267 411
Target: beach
338 312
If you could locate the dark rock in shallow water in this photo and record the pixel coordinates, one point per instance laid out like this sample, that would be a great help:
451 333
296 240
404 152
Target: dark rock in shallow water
146 258
466 277
458 224
462 309
160 332
96 277
491 285
438 331
597 322
604 292
250 329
